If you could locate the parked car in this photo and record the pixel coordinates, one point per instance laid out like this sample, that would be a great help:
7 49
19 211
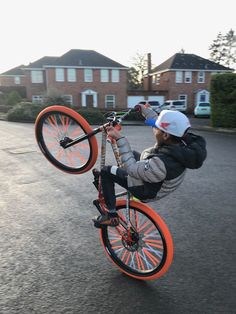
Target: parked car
202 109
154 104
174 105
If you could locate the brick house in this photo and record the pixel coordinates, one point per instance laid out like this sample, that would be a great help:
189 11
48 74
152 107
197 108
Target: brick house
183 76
85 78
13 79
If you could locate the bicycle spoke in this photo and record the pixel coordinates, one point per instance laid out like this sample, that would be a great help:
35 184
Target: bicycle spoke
56 127
143 254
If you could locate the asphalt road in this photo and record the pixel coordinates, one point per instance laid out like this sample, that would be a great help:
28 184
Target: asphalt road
51 259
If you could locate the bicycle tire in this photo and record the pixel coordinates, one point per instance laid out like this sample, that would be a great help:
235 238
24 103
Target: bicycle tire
153 254
55 123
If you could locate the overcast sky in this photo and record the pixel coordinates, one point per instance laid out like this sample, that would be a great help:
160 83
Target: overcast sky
119 29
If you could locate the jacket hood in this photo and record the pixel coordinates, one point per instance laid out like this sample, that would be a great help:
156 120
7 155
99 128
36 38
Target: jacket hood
190 153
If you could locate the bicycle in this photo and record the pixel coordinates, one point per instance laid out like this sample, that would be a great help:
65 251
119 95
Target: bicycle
141 245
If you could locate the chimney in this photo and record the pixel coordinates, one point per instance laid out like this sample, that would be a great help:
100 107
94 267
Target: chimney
149 64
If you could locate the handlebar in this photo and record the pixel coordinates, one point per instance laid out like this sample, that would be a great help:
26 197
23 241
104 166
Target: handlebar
114 118
118 117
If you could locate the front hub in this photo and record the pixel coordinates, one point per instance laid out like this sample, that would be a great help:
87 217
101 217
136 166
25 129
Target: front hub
130 240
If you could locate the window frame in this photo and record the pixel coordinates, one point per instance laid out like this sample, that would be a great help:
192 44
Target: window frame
179 77
158 77
188 77
60 75
17 80
115 76
199 77
112 101
70 99
36 76
88 75
38 99
104 75
185 98
71 75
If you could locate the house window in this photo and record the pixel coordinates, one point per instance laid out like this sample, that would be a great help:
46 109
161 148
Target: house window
183 97
202 97
179 77
115 76
37 99
110 101
68 99
104 75
60 77
88 75
188 77
37 76
16 79
201 77
71 75
158 76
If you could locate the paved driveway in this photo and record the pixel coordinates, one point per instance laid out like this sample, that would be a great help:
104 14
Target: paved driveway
51 257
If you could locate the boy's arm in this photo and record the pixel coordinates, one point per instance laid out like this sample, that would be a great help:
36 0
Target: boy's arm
149 170
147 112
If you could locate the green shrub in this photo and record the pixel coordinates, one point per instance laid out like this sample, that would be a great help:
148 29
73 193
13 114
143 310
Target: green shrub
92 115
3 99
4 108
223 100
25 111
13 98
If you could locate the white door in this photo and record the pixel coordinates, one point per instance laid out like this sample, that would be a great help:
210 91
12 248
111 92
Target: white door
89 98
202 96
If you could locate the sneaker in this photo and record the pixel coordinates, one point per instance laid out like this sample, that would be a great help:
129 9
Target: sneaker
109 219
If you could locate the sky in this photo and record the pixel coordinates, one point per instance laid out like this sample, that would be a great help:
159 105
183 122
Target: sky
118 29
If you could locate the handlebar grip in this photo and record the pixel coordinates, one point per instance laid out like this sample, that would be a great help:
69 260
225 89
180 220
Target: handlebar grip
117 127
137 108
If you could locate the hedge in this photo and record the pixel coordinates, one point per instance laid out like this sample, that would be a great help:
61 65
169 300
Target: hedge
27 112
223 100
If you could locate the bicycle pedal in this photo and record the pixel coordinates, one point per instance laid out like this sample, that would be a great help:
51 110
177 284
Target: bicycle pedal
96 173
98 225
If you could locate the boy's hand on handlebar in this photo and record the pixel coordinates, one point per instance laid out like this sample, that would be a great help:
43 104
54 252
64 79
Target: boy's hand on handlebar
113 132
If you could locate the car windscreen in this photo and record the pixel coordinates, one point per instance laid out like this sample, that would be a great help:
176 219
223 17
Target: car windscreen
154 103
178 103
203 104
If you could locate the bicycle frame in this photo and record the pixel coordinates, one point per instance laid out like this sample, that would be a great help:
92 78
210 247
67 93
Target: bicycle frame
99 203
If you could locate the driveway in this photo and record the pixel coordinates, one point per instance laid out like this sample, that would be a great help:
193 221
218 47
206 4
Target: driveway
51 257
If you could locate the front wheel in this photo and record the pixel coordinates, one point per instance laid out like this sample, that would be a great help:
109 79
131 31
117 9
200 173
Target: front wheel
58 125
143 249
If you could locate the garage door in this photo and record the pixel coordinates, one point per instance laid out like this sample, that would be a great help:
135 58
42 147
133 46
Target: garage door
134 100
158 98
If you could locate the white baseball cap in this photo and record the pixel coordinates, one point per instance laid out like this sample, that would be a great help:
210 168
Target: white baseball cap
171 121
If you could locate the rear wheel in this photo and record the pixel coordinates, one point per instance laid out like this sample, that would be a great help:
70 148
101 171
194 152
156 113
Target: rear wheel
145 249
57 125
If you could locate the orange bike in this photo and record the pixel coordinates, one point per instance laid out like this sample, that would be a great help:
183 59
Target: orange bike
141 245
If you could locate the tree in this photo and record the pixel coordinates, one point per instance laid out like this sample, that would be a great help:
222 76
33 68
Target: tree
133 79
223 49
217 49
230 48
137 71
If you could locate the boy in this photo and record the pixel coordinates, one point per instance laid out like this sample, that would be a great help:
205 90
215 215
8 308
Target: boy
158 170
